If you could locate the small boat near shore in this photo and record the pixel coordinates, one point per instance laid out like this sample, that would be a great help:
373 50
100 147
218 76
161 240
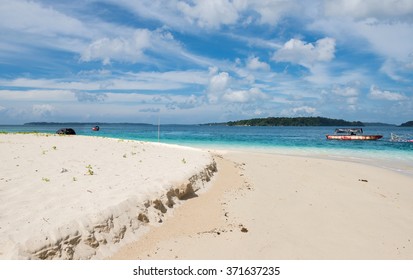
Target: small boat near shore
351 134
96 128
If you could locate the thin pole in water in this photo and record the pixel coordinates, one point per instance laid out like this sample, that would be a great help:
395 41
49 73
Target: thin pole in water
159 127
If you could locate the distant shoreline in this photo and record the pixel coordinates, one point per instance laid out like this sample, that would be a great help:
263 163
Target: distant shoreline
269 121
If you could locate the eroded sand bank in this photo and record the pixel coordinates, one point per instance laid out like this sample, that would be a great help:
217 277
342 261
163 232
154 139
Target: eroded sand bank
268 206
76 197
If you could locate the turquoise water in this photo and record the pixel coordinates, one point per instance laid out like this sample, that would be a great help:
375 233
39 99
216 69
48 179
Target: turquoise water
289 140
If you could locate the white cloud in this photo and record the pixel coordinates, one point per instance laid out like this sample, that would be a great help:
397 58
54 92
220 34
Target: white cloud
184 102
345 97
254 63
299 111
392 68
121 49
38 95
218 84
33 17
391 39
304 110
211 13
271 11
90 97
219 89
42 110
346 91
215 13
243 96
362 9
84 81
376 93
31 25
306 54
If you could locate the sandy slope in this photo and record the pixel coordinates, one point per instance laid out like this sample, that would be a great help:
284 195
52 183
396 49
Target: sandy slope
266 206
80 197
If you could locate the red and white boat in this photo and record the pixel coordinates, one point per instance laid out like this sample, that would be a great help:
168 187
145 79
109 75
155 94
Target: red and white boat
351 134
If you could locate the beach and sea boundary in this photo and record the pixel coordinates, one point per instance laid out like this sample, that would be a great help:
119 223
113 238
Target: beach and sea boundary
77 200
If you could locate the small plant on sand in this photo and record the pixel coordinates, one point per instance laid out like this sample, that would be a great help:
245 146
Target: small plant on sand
184 161
90 170
74 179
54 148
124 155
45 179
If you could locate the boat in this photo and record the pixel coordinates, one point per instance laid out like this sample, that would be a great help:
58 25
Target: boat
351 134
66 131
96 128
399 138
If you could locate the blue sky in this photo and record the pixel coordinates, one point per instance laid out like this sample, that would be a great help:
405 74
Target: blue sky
189 61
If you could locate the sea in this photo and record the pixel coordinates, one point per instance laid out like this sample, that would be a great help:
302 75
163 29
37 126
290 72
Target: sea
308 141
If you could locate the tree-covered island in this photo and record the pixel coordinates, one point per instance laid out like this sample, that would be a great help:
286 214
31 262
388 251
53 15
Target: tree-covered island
298 121
407 124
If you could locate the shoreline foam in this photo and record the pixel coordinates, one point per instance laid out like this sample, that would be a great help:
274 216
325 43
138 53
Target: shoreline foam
65 197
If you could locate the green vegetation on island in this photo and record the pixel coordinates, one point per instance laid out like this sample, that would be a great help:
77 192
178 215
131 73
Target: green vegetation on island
298 121
407 124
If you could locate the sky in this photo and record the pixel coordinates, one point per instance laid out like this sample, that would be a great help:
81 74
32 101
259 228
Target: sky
189 62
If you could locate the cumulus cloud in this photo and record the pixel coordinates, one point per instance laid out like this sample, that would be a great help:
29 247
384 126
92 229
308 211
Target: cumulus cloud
219 89
121 49
377 93
218 84
243 96
306 54
254 63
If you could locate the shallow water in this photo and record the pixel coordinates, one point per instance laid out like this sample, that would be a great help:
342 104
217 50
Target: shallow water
310 141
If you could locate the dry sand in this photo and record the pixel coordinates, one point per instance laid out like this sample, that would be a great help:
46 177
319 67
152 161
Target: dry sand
257 206
76 197
266 206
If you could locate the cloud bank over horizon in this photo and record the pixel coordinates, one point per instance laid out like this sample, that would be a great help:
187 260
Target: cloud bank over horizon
200 61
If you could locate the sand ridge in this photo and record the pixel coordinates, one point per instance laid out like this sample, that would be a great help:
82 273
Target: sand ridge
204 217
75 197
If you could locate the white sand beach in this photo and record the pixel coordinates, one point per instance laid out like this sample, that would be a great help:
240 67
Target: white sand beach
256 206
76 197
268 206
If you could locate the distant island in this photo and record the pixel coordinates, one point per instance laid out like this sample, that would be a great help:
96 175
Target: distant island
298 121
407 124
83 123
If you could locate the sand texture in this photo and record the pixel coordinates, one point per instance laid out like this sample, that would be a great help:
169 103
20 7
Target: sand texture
268 206
76 197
